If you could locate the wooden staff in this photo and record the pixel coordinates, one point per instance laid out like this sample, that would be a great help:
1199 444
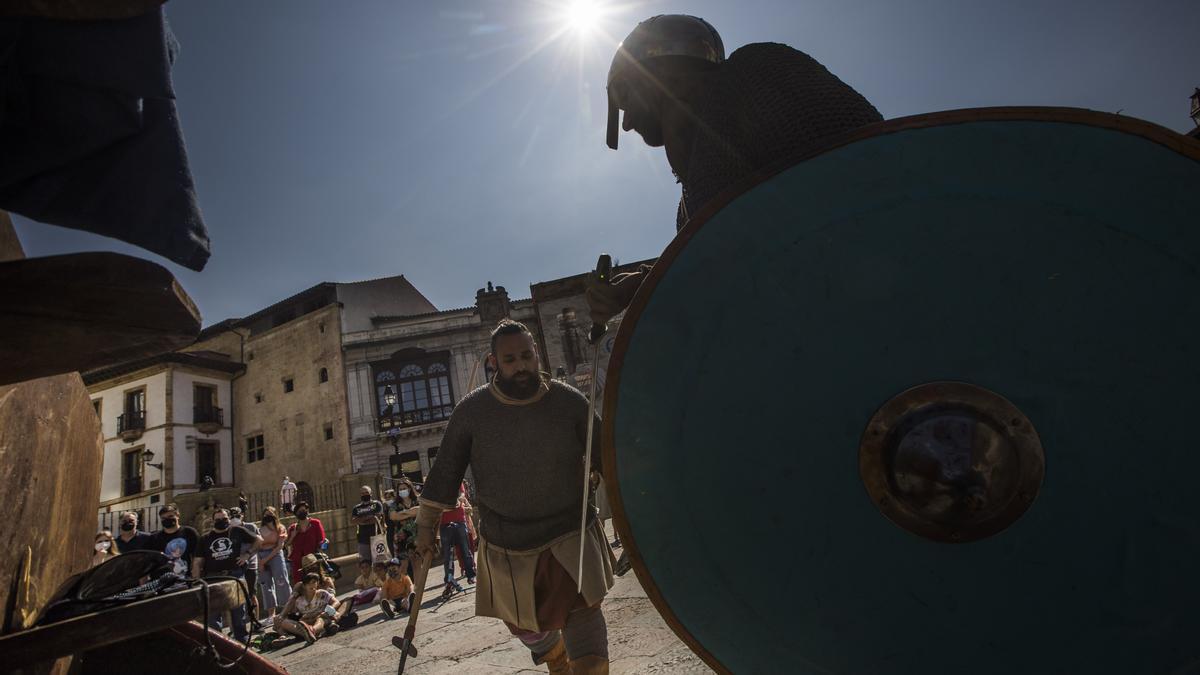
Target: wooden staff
405 643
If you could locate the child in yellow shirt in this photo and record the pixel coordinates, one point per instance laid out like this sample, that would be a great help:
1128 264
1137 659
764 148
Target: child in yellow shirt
367 583
396 588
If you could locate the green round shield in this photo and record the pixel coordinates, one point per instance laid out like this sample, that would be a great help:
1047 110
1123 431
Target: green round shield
923 403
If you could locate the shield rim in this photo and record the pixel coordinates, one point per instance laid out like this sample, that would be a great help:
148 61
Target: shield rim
1156 133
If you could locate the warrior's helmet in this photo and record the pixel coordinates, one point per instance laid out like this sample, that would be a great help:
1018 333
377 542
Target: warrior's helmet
665 35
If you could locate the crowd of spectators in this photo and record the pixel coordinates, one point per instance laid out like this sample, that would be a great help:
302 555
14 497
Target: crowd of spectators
288 566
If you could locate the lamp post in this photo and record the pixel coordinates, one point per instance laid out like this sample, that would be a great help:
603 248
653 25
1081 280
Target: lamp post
147 460
389 399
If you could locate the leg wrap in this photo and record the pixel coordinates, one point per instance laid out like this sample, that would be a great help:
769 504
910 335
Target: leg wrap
539 644
586 633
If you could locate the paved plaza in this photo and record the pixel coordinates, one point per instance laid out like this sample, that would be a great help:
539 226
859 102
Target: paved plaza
451 639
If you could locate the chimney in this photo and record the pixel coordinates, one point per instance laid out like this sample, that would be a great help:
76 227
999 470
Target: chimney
492 303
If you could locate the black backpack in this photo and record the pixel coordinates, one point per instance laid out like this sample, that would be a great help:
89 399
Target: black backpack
114 582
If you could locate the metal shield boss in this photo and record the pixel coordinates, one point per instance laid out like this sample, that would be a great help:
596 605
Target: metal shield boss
923 402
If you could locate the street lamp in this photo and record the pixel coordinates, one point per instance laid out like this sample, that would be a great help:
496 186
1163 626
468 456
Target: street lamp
148 459
389 398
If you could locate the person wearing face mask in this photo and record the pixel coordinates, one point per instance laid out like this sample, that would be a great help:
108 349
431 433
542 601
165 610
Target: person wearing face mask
130 537
105 548
523 437
366 514
176 540
304 537
402 514
235 518
274 574
389 498
224 552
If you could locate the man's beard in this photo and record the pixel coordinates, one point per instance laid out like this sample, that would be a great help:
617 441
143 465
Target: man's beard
519 387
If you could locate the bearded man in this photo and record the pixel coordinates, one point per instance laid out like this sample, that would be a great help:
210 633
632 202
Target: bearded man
720 120
523 436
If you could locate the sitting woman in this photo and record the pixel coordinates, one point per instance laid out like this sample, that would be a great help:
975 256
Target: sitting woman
312 564
311 612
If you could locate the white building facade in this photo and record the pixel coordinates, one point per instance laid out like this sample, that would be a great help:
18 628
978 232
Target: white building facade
166 422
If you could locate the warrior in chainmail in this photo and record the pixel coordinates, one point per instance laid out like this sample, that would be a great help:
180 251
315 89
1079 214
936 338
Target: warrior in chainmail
523 436
720 120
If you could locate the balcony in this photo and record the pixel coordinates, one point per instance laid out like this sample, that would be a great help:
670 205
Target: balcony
131 485
208 419
131 425
412 418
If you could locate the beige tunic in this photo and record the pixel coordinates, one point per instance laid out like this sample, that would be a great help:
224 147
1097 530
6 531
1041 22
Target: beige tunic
505 589
505 577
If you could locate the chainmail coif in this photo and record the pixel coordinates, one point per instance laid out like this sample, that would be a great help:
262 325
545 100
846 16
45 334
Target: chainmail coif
768 102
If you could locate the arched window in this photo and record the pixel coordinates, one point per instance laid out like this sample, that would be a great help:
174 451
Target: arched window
304 493
421 383
323 375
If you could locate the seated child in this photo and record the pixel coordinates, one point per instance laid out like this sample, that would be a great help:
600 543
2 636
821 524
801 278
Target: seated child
367 583
396 589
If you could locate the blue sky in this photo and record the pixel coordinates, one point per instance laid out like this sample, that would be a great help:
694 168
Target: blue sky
462 141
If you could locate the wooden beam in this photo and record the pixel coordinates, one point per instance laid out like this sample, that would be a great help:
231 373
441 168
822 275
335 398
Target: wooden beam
77 635
85 311
10 244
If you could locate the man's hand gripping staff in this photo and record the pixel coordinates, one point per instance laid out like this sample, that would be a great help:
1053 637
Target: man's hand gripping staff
423 555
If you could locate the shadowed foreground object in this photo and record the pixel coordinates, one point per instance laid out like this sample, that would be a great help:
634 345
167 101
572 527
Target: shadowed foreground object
88 310
989 290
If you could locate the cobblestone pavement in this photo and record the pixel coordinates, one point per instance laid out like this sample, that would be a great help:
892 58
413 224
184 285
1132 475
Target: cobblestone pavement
451 639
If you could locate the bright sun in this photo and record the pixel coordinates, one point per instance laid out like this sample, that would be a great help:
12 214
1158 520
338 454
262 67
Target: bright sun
582 15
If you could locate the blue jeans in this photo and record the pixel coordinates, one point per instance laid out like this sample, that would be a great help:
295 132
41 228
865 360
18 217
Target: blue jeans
236 614
455 534
273 579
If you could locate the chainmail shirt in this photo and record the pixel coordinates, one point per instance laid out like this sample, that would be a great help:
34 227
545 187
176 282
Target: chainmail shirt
527 461
768 102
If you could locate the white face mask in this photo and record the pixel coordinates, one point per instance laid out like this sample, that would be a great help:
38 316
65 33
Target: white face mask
103 545
235 521
401 493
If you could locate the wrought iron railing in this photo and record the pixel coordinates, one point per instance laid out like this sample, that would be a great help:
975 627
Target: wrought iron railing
134 420
319 497
412 418
131 485
208 415
147 519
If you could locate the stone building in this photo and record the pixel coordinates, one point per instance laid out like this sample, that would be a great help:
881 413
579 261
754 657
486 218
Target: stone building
428 361
562 313
291 402
166 425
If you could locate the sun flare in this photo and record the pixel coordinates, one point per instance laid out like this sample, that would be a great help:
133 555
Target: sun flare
582 16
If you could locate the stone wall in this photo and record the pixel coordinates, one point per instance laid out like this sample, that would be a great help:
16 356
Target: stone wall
293 423
554 298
